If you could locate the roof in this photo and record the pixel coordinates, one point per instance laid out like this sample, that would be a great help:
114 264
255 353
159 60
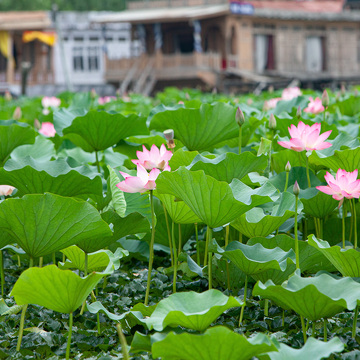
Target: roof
165 14
24 20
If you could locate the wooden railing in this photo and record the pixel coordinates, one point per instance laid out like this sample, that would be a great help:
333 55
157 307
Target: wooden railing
34 78
144 4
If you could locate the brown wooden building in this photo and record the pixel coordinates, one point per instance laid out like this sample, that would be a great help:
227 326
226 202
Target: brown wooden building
15 49
206 41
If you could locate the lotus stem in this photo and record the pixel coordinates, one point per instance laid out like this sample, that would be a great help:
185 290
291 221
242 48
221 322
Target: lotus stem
240 237
97 161
296 234
240 139
210 260
54 258
41 261
283 318
197 244
343 223
175 257
303 328
266 307
2 274
356 313
169 235
355 223
227 228
85 274
243 307
64 258
307 172
21 329
19 260
69 336
122 342
286 181
180 240
325 330
151 255
206 248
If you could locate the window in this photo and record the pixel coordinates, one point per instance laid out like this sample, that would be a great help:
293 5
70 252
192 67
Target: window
93 58
78 59
315 54
264 53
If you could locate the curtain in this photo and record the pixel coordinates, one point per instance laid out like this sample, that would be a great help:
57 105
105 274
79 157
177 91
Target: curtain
314 56
261 52
4 43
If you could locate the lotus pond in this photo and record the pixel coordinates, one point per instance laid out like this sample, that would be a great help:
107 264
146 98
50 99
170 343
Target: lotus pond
181 227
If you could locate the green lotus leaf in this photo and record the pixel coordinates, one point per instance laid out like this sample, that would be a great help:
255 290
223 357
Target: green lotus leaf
53 288
229 166
43 150
215 202
98 130
345 260
347 159
43 224
191 310
279 160
63 118
199 129
12 136
260 262
97 261
6 239
216 343
317 204
314 298
311 260
31 176
257 223
182 158
313 349
179 212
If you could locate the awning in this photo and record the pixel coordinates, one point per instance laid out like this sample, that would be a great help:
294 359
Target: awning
48 38
182 14
24 20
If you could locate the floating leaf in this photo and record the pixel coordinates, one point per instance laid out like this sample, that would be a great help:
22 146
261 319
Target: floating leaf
98 130
229 166
314 298
191 310
257 223
198 129
345 260
31 176
55 289
43 224
216 343
214 202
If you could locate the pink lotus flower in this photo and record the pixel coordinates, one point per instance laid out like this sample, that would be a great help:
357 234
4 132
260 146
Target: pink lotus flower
291 93
47 129
306 137
314 106
143 182
155 158
271 104
6 190
105 99
52 101
345 185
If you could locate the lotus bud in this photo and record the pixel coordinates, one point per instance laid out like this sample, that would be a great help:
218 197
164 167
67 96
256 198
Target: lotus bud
93 93
214 91
17 113
288 167
356 92
325 99
343 89
37 124
296 189
239 117
298 112
249 101
187 96
272 122
7 96
169 136
271 89
6 190
180 103
266 106
337 98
